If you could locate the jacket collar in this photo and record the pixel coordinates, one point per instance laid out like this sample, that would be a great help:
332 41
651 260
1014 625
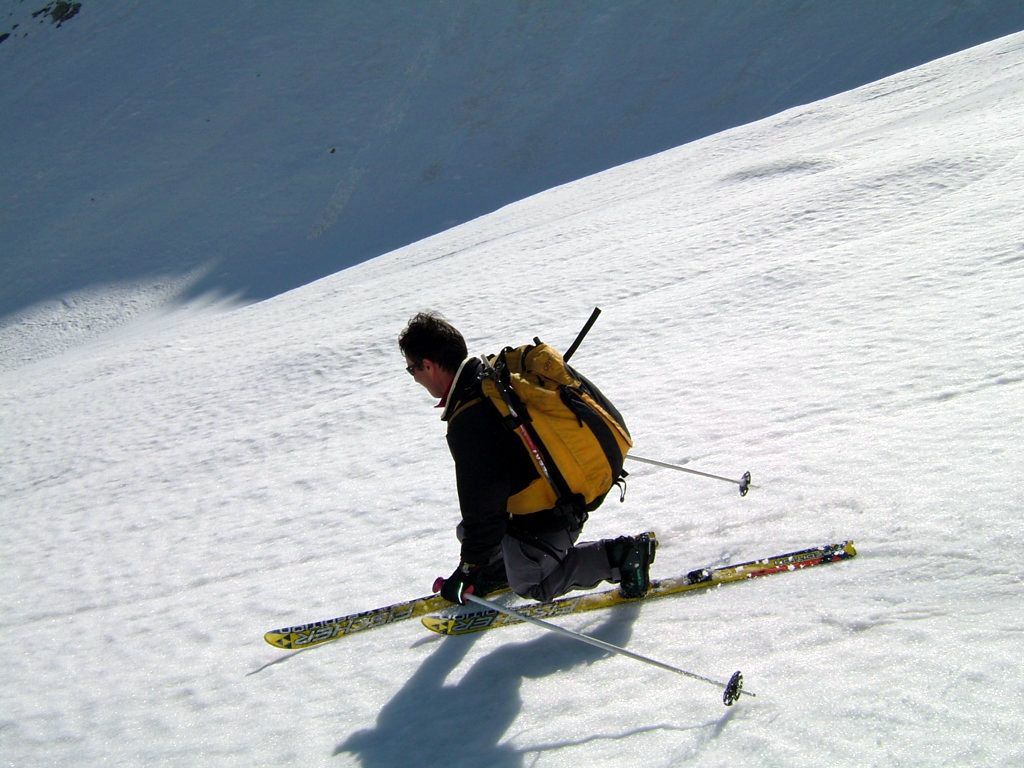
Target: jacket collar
465 377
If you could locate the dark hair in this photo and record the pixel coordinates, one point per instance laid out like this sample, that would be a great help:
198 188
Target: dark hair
428 336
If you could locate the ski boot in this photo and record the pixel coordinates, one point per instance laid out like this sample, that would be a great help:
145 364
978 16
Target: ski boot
632 556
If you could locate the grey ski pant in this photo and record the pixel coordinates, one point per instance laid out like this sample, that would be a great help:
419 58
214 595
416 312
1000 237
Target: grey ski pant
545 565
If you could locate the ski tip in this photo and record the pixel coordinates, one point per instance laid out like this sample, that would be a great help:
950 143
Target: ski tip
733 689
279 639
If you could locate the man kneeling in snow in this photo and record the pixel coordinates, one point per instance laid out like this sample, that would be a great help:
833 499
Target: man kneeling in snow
535 553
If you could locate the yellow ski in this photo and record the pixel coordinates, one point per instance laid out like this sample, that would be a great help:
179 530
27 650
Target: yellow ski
480 620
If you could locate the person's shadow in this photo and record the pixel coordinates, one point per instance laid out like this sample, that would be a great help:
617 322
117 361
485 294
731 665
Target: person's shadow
429 723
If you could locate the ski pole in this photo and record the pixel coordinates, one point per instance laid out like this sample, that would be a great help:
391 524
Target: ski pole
732 689
743 482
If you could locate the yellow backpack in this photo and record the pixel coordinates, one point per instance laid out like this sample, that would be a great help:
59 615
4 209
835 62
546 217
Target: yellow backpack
574 435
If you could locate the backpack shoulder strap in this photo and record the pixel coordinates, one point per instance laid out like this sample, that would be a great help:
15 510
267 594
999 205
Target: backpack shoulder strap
464 407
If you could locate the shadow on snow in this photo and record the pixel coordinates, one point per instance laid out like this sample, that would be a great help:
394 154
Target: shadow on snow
432 722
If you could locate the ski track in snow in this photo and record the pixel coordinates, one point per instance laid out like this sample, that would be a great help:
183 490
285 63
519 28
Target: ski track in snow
830 298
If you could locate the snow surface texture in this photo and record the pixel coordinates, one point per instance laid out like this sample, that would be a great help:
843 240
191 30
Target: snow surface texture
191 147
831 298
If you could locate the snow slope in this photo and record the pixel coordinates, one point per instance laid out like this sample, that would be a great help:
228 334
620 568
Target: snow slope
830 298
152 153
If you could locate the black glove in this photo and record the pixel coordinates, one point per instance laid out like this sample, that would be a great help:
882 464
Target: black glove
462 582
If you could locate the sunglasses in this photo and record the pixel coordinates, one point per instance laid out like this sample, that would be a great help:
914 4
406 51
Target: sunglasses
411 369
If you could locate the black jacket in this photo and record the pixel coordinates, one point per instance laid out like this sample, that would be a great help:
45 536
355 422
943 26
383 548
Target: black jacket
491 464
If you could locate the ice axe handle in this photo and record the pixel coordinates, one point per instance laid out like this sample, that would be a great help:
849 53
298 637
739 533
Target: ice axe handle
582 334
